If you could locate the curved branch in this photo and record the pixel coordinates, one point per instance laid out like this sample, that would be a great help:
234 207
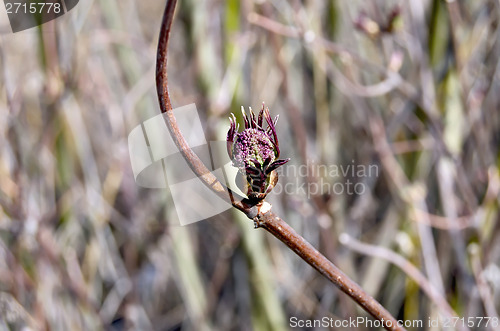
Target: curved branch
194 162
261 214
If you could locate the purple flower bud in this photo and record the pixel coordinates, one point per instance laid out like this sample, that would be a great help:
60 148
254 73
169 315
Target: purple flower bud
255 152
251 148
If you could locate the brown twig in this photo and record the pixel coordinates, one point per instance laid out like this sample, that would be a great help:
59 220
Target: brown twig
192 159
261 213
408 268
284 232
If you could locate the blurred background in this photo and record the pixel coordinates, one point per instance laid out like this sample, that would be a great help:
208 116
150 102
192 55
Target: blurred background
409 89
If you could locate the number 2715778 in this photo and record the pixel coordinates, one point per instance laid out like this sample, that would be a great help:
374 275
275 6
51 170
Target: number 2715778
33 8
471 322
